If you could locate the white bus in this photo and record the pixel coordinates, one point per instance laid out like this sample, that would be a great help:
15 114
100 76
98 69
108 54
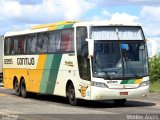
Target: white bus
78 60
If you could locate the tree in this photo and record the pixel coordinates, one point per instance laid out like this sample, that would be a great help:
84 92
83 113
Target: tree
154 69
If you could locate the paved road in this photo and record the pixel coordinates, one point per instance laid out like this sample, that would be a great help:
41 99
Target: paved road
53 107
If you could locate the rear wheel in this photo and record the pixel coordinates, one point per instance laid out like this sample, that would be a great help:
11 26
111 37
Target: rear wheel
17 88
71 95
120 101
24 93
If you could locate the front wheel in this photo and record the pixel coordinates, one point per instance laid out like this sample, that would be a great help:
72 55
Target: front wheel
120 101
71 95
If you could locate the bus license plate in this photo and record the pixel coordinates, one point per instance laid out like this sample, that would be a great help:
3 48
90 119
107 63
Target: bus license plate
123 93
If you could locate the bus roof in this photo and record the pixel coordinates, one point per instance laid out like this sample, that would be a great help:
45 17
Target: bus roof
65 25
15 33
105 23
43 28
53 25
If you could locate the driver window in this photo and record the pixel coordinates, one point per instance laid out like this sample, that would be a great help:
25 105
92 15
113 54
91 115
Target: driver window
82 53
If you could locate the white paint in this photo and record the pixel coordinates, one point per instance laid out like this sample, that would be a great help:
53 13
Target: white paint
15 65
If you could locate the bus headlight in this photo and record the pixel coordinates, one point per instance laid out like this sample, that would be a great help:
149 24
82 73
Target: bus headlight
99 84
144 83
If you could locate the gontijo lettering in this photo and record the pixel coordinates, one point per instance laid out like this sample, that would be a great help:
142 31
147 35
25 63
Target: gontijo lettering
25 61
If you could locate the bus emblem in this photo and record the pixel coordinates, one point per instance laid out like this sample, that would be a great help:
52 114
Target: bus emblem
83 90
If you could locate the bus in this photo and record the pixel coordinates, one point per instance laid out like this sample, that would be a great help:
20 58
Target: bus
78 60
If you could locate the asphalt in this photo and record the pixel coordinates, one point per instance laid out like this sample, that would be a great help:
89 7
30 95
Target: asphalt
49 107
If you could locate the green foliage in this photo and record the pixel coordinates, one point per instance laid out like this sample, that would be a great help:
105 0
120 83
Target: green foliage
155 87
155 69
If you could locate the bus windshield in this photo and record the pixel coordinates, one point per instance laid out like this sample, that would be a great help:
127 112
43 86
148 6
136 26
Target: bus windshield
120 59
113 61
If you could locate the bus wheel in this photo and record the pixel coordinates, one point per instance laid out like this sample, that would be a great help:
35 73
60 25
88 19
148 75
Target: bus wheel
120 101
17 88
71 95
23 89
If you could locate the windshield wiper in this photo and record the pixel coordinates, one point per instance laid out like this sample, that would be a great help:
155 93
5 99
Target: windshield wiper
133 70
103 74
108 76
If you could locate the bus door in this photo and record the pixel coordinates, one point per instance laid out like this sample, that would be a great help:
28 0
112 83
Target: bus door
83 62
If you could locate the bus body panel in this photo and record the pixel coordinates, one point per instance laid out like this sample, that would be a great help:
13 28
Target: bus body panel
111 94
131 89
47 75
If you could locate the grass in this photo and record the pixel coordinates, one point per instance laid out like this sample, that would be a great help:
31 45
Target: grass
155 87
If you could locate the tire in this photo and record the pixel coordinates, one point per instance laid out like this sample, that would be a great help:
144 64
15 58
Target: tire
17 88
120 101
24 93
71 95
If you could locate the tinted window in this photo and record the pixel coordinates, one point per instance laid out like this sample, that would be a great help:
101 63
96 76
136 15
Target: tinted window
46 42
82 53
7 46
21 45
54 41
42 43
67 43
31 43
15 46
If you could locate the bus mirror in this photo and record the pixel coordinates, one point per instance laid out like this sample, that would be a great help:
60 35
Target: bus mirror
90 47
124 47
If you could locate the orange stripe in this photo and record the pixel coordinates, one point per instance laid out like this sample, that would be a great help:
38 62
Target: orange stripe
36 75
138 81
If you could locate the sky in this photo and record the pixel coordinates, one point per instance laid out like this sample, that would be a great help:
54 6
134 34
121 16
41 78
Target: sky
22 14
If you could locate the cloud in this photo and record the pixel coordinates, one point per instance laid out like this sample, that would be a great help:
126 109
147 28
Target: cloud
150 19
124 18
153 12
75 8
153 47
116 17
21 12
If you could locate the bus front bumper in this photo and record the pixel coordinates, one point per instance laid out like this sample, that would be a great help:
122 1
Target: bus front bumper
98 93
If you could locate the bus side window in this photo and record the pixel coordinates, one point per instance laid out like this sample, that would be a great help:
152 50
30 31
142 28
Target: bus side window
45 43
8 46
31 43
21 45
67 43
58 42
15 46
54 41
39 42
51 42
42 43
